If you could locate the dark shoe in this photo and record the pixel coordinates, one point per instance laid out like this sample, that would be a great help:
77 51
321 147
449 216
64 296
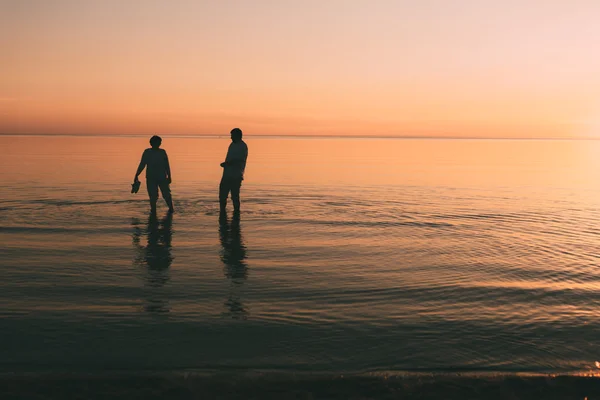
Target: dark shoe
135 186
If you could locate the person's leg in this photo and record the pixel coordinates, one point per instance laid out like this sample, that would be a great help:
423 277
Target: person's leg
223 193
235 195
165 190
223 215
152 187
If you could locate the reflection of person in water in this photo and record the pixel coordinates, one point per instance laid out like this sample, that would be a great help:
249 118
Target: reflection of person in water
233 256
156 258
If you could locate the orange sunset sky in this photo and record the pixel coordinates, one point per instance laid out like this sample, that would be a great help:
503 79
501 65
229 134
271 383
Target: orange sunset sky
457 68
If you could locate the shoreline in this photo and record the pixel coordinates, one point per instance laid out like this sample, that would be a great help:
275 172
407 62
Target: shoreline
297 386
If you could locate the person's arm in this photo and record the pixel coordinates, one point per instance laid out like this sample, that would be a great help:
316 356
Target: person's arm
234 159
140 167
224 163
231 162
169 177
227 157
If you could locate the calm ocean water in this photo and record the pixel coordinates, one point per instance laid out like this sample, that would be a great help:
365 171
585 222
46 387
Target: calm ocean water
351 256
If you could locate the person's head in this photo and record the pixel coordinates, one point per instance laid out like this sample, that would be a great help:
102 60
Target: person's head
155 141
236 134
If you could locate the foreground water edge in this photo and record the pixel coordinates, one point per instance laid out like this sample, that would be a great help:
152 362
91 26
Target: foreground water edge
176 386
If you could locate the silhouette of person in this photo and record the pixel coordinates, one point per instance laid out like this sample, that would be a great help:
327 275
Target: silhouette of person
156 258
158 173
233 256
233 171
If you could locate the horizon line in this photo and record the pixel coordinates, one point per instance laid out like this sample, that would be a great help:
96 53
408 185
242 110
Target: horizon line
299 136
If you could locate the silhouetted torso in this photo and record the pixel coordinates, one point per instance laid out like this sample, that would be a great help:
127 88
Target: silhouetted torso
237 155
156 164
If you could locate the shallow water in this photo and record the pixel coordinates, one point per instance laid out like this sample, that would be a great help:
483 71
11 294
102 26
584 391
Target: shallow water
351 255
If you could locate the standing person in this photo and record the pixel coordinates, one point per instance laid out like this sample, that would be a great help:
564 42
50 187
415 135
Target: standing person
233 171
158 173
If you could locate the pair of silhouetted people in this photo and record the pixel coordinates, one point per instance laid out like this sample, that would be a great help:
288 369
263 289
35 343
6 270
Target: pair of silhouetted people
158 172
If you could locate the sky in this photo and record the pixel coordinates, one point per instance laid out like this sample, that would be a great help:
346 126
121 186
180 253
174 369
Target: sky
448 68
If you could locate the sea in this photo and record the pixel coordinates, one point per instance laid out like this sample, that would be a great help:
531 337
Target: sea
353 260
